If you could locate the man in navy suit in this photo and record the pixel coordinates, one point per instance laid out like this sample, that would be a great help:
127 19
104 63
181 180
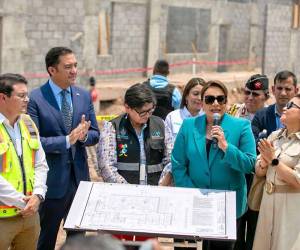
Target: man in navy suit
284 89
66 120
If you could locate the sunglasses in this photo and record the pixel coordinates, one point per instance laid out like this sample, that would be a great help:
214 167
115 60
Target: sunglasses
248 92
210 99
290 105
145 112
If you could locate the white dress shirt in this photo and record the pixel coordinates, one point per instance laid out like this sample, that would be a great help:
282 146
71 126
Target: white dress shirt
8 194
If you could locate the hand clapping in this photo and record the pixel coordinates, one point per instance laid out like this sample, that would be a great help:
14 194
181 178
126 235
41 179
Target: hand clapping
80 132
266 150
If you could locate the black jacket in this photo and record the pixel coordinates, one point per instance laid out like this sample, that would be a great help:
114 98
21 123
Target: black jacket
264 119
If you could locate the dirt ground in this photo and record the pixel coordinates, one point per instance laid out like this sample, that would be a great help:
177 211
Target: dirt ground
111 103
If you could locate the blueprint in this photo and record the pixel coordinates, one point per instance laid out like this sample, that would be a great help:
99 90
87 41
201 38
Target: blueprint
153 210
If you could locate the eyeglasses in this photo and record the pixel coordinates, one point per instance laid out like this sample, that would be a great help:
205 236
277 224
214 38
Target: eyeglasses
290 105
254 94
145 112
210 99
22 96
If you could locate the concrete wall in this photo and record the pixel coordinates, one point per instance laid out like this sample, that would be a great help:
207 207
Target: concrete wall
282 42
142 31
128 40
30 28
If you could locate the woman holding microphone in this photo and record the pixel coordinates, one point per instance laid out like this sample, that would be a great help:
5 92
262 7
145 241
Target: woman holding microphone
211 156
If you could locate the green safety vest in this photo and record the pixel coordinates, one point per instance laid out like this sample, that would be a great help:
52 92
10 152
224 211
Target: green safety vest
20 176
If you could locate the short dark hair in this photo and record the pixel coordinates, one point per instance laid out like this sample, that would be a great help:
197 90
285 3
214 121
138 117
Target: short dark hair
138 95
161 67
8 80
191 84
52 57
214 83
298 95
284 75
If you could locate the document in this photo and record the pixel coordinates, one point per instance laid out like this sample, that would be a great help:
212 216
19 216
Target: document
153 210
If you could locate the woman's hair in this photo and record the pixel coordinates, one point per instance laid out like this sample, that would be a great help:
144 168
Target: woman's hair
191 84
214 83
138 95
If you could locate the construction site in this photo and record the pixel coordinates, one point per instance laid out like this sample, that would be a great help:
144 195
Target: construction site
118 41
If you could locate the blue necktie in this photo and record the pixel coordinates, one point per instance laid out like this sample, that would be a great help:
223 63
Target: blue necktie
66 110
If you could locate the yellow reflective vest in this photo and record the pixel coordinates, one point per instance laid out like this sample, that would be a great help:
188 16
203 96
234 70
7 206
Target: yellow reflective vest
18 171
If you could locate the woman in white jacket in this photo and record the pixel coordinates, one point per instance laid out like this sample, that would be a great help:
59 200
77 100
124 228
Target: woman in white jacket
190 107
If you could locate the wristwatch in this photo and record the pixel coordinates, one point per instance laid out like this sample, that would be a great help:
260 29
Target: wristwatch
274 162
41 198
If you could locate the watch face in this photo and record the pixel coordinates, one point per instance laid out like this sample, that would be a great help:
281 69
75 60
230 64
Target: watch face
275 162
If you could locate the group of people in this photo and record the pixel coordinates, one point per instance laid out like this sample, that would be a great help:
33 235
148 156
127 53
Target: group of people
189 149
163 138
42 151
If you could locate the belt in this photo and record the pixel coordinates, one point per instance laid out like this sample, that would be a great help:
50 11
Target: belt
271 188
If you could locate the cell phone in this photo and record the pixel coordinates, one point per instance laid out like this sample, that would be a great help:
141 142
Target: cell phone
262 135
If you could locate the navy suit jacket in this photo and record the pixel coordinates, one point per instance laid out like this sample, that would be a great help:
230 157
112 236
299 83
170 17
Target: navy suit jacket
264 119
46 114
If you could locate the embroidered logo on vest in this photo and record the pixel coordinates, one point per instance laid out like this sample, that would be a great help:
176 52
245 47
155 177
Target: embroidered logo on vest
156 135
123 150
123 134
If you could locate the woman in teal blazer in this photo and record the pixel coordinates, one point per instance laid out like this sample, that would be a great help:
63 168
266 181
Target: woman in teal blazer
215 157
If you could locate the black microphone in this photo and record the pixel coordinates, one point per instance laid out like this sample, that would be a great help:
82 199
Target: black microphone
216 121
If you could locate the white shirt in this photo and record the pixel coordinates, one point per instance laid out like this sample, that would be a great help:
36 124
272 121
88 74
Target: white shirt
8 194
173 123
175 119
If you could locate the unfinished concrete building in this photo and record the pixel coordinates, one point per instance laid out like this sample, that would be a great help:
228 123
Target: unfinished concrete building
114 38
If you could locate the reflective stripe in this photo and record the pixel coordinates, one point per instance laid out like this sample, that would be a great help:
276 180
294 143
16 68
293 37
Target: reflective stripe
30 126
128 166
155 168
135 167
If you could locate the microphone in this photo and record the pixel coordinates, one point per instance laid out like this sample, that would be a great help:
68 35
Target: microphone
216 121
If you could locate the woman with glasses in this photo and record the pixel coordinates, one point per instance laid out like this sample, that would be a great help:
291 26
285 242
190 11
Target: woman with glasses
278 226
190 106
211 156
134 147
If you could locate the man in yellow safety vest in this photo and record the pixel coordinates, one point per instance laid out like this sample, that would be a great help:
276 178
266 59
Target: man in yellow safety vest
23 167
